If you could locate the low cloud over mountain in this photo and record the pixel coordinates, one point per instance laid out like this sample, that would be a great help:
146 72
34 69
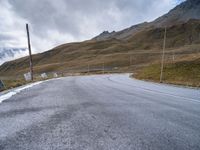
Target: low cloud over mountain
61 21
7 53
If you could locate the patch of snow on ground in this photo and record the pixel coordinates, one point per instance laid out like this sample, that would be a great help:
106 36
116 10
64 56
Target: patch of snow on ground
17 90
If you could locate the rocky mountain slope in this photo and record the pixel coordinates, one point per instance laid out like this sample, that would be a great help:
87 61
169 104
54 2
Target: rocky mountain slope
124 34
182 13
189 9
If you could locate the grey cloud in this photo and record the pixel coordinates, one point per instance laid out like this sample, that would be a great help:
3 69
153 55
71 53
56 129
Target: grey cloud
64 16
5 37
69 15
53 22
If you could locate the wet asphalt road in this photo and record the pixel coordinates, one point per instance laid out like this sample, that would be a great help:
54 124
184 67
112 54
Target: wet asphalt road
102 112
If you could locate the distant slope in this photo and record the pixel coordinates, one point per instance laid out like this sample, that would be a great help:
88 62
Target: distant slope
144 47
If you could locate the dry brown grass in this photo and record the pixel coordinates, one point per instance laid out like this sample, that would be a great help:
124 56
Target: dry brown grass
144 48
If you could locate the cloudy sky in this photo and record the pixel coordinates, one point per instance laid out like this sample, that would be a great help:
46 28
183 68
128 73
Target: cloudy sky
53 22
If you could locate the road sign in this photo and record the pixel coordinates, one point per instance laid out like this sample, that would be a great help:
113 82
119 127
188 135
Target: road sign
27 76
55 75
1 85
44 75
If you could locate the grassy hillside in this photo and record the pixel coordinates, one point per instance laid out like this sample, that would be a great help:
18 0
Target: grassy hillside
177 36
141 49
184 73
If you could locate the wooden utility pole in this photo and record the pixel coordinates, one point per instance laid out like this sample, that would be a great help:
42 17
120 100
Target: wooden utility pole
30 54
163 55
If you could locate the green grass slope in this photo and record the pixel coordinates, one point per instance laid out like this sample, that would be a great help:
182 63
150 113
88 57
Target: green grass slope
183 73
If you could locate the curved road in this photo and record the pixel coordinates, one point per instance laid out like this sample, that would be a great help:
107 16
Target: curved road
102 112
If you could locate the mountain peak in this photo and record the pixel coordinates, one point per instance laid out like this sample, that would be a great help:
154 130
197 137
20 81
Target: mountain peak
104 35
187 10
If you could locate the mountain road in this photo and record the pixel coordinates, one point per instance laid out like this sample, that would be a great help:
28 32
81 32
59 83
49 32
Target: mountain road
101 112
